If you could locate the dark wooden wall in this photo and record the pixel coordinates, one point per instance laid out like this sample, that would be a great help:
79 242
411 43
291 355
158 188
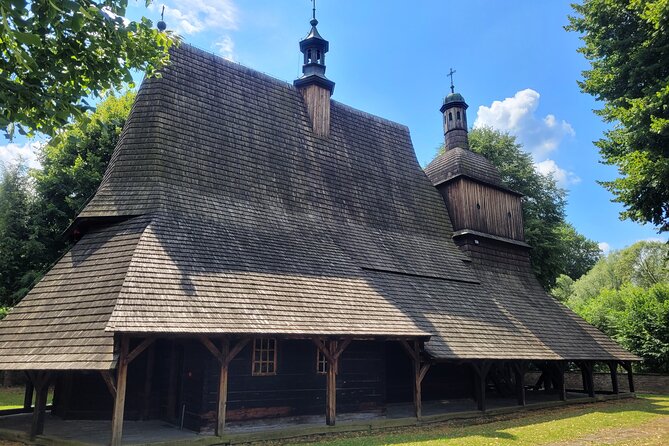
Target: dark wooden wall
296 389
483 208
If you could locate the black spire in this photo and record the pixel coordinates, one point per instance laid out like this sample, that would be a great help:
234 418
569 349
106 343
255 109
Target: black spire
162 26
314 47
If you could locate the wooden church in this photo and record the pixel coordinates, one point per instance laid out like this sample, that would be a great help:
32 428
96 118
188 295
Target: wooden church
257 249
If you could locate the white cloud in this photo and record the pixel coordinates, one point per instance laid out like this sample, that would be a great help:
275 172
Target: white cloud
604 247
226 48
562 177
517 115
12 152
539 136
193 16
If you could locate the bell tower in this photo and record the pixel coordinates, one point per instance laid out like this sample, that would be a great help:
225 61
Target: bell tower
314 86
454 110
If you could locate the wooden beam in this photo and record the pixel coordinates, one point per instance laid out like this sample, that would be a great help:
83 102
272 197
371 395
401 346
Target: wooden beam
323 348
212 348
172 384
481 370
560 368
148 383
119 401
520 368
586 373
410 350
613 367
28 396
627 365
223 387
331 389
41 383
109 380
140 348
239 346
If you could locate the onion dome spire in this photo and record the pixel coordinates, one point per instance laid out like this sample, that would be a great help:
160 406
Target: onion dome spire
314 47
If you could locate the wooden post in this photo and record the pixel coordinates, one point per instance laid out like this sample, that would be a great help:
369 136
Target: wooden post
419 371
588 382
331 389
28 396
627 365
613 367
224 356
172 385
148 383
332 351
481 370
520 368
41 383
560 368
119 401
223 387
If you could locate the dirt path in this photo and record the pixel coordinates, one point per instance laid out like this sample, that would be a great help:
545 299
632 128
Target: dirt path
655 432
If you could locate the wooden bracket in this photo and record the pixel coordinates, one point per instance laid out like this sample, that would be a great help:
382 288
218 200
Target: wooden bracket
140 348
109 380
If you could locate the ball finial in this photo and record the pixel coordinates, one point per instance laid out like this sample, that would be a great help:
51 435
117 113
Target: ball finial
162 26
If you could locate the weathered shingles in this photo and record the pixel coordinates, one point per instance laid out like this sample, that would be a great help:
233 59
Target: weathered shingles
459 161
257 226
60 323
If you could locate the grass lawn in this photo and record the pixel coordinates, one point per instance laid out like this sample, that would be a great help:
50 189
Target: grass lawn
11 397
636 422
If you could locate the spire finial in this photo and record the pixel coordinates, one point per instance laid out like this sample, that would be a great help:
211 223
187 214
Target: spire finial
313 22
162 25
451 73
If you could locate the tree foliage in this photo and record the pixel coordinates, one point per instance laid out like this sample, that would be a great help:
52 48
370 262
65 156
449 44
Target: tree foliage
627 44
18 244
54 54
36 208
557 247
626 295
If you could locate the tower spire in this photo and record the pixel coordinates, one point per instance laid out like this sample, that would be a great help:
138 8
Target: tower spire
455 119
313 84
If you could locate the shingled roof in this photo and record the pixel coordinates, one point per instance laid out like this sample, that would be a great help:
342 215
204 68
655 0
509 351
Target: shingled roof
240 220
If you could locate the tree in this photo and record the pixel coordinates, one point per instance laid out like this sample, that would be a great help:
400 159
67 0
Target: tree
72 169
18 244
36 209
627 44
557 247
626 295
54 54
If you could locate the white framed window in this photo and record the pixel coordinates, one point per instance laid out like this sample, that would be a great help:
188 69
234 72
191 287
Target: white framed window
264 357
321 362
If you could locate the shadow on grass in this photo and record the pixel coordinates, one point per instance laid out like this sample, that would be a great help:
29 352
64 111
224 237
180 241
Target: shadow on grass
460 432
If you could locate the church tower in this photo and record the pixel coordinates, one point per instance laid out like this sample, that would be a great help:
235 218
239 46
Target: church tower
486 215
314 86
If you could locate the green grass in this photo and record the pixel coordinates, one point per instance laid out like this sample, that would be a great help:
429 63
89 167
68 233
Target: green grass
616 419
11 397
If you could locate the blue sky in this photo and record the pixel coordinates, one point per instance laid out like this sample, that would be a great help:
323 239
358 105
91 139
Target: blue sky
516 66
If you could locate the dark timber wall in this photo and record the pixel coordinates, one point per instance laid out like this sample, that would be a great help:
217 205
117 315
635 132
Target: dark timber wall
483 208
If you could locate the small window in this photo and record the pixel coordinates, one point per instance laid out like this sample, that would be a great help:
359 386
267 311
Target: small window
321 362
458 115
318 56
309 56
264 357
450 116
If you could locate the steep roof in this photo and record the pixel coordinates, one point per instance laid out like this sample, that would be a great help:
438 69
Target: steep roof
248 223
458 161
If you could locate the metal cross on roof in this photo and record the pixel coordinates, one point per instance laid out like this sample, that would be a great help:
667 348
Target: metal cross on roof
451 73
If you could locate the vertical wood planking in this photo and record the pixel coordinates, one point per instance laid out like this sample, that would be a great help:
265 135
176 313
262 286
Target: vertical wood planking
331 391
317 100
492 214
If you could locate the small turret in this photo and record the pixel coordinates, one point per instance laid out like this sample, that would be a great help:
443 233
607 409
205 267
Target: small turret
455 119
315 87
